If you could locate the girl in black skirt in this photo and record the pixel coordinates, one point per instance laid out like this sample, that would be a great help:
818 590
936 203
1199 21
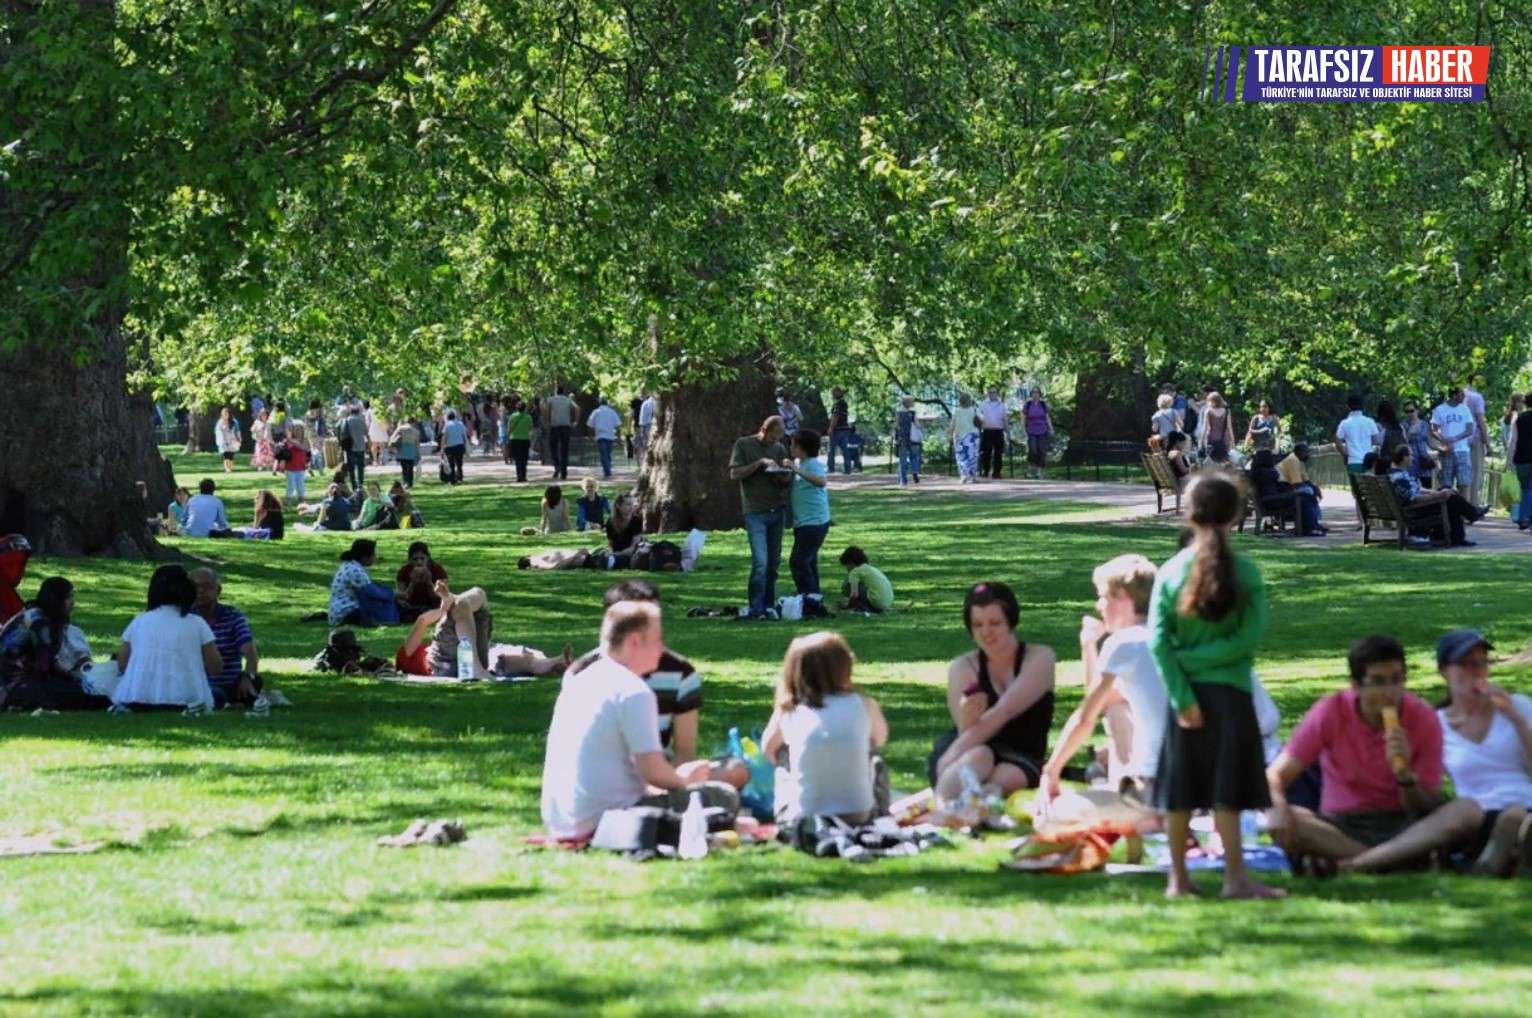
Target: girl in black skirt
1206 617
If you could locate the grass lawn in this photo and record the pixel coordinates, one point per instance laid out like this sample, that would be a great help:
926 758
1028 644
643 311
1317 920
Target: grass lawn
243 878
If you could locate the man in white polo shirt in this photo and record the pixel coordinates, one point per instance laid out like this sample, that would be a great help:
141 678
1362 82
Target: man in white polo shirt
604 747
1357 435
992 414
603 423
1452 425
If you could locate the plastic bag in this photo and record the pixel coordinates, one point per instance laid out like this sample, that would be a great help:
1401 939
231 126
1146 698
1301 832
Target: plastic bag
759 793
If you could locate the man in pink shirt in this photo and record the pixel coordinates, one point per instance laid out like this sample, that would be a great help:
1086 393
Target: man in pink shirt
1380 802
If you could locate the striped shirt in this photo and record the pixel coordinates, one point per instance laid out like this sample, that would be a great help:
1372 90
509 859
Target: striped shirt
231 631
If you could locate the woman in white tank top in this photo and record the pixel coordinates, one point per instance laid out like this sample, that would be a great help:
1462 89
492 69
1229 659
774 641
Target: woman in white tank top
829 731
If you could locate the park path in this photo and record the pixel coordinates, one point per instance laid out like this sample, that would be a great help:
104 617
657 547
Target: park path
1129 501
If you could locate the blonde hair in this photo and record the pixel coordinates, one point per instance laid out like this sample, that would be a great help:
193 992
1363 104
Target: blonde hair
589 486
1126 574
1216 399
1166 401
625 618
815 666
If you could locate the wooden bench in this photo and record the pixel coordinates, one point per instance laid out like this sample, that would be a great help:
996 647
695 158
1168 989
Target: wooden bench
1271 518
1378 506
1165 482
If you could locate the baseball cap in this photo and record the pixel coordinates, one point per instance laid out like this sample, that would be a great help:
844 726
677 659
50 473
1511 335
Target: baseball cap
1452 647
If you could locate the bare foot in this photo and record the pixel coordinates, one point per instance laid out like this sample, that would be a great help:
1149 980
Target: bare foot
1181 887
1248 888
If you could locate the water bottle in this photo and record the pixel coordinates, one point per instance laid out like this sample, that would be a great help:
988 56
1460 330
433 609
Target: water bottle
465 661
1249 826
693 843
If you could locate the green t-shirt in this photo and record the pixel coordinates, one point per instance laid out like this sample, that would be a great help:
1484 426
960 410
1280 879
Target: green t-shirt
519 426
1187 649
760 491
880 592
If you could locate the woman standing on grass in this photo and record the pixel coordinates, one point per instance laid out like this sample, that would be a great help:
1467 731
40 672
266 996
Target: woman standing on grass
226 436
1206 617
265 457
963 430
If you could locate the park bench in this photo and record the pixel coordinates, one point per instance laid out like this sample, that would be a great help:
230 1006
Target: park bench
1272 514
1378 506
1164 479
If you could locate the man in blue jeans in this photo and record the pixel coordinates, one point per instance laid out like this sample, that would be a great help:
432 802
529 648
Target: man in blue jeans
756 463
840 430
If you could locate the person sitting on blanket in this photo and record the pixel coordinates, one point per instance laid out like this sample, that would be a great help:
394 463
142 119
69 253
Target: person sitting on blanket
1000 696
355 600
377 512
1379 750
604 747
677 692
168 652
415 582
1122 684
334 512
830 732
866 588
239 680
45 659
205 514
467 615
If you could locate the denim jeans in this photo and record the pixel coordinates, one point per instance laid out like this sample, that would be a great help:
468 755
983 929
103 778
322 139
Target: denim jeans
356 466
765 533
1457 468
804 560
909 460
1524 478
838 441
604 447
295 484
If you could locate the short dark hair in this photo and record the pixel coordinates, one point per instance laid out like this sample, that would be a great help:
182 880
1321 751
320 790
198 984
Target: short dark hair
986 593
418 546
853 557
630 590
807 439
206 486
1174 439
1371 650
1301 450
171 585
553 495
1353 402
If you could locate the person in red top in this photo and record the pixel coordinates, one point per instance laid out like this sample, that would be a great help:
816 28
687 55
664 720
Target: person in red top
1381 805
415 583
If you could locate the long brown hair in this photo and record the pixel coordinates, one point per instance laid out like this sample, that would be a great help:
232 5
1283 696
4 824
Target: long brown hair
816 666
1212 588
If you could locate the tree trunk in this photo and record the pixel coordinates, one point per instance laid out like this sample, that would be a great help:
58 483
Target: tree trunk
76 442
686 482
1113 401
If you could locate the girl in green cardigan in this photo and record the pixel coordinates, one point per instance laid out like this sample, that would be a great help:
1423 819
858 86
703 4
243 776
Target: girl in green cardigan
1206 617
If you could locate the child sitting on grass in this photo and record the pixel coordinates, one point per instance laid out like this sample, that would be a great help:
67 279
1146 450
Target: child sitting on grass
829 730
555 511
866 588
592 507
377 512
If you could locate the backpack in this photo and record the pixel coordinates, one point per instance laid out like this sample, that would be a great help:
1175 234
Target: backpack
341 651
283 452
660 556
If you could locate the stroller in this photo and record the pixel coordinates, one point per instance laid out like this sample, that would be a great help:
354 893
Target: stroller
14 553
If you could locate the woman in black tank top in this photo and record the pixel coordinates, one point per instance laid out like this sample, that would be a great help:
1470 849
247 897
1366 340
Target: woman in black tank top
1001 700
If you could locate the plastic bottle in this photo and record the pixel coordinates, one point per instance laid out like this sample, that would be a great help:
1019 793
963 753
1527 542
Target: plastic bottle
465 661
693 844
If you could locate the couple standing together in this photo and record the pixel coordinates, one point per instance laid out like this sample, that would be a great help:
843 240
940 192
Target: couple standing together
774 481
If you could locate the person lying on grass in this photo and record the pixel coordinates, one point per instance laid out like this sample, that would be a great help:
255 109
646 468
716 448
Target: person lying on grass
866 588
467 615
677 689
1487 748
830 732
1379 750
604 747
1000 696
1123 687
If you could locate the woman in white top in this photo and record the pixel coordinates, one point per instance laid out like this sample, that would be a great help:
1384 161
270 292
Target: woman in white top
226 437
168 652
1487 748
829 731
963 430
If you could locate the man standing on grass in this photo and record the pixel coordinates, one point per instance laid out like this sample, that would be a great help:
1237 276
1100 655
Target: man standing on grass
992 415
562 414
352 433
756 463
840 430
604 748
1379 751
603 423
1452 425
1357 435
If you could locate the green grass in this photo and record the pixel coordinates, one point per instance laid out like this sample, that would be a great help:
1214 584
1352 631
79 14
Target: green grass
243 878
